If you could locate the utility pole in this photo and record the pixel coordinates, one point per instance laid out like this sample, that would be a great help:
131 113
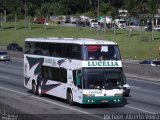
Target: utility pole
5 17
85 11
54 8
1 21
25 15
97 18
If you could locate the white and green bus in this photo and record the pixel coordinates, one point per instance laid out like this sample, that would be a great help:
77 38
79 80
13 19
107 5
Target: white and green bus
80 70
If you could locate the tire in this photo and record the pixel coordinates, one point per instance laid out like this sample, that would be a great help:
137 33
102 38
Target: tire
39 90
34 88
126 95
70 98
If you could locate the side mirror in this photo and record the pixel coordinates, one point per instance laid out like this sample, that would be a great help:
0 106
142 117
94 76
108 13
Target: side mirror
78 80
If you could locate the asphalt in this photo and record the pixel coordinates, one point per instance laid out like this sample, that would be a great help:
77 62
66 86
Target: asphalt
144 99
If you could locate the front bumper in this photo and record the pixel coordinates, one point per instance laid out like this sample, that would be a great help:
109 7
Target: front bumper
102 100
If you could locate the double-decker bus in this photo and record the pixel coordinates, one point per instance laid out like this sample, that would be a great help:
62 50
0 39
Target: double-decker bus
81 70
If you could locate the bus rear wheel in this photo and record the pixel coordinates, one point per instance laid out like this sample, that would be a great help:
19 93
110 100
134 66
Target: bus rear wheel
34 88
39 90
70 97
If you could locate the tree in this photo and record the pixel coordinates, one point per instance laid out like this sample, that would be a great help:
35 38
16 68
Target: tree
15 7
114 13
104 8
130 6
141 10
152 6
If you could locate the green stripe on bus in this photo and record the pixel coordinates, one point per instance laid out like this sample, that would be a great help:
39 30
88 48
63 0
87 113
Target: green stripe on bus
102 100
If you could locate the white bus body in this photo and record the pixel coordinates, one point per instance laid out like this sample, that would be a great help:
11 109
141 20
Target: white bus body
70 69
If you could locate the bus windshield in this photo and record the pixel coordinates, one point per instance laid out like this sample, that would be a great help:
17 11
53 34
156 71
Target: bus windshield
96 78
101 52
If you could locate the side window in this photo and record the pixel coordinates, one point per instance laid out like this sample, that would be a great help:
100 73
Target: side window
44 48
59 50
45 72
55 74
52 49
76 73
74 77
66 50
63 75
38 50
76 52
28 48
79 72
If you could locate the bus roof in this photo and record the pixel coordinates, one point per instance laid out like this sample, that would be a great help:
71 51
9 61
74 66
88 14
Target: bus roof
81 41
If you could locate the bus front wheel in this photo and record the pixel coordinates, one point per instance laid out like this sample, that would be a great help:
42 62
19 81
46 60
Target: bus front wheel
70 97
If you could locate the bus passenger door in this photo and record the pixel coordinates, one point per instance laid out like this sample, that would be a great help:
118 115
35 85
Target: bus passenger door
77 79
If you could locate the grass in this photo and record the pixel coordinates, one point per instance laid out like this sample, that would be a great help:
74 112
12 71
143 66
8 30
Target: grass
135 47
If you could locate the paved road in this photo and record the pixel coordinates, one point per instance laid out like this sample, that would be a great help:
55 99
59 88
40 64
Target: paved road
144 99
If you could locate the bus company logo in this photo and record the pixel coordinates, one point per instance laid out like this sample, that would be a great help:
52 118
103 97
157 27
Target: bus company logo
95 92
50 61
60 62
103 63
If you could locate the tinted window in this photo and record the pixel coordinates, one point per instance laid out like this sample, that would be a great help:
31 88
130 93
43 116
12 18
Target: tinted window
101 78
75 74
53 49
44 48
29 47
76 52
55 74
3 53
101 52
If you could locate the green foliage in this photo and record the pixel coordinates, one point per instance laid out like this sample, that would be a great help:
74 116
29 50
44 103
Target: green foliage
69 7
136 47
104 8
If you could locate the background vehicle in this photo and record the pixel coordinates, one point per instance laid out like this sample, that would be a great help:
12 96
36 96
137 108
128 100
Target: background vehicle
14 47
157 28
39 20
85 71
126 90
120 23
157 63
4 55
73 20
151 62
93 23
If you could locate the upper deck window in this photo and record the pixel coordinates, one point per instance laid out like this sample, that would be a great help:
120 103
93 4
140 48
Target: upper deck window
101 52
63 50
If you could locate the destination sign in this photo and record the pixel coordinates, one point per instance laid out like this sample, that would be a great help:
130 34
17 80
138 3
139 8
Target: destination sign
102 63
